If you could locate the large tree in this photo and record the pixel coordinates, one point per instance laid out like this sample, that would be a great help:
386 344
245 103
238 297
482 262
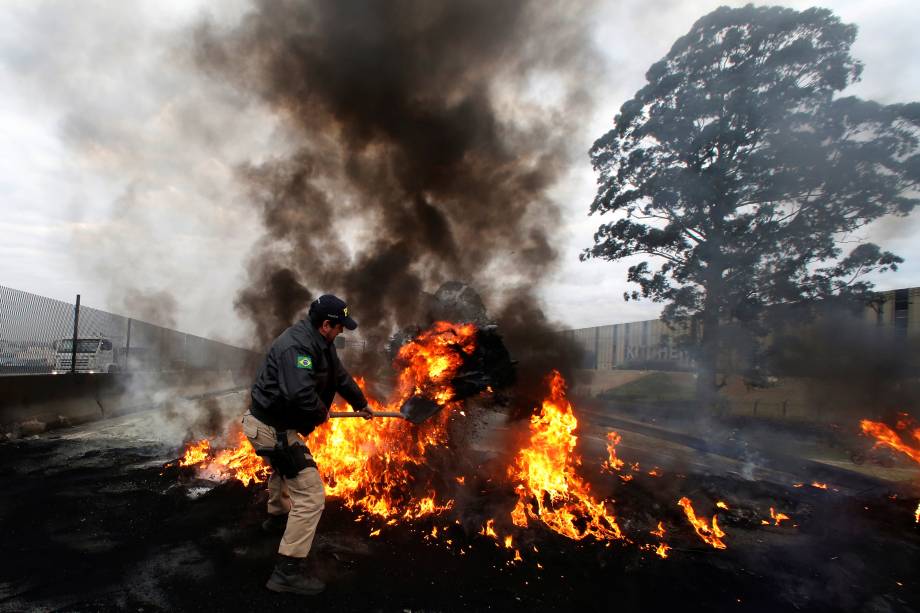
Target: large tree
744 174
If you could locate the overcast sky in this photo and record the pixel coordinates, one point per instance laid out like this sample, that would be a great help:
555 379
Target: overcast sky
117 155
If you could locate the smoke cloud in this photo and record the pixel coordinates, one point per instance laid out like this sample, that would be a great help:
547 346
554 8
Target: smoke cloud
429 133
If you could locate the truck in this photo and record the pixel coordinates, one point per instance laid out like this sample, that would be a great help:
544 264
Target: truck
94 355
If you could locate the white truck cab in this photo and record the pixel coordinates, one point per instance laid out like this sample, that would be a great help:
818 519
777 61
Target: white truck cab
94 355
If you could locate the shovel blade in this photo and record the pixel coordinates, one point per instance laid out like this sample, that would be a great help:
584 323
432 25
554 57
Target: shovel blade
418 410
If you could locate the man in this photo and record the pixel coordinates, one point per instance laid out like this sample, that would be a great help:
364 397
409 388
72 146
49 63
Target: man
292 394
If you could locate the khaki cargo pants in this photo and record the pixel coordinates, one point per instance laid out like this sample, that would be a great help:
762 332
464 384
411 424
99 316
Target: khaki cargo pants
302 498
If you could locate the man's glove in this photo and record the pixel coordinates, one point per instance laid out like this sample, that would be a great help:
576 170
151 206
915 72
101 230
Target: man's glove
366 410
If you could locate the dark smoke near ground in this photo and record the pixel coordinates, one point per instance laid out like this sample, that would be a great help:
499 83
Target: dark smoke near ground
424 153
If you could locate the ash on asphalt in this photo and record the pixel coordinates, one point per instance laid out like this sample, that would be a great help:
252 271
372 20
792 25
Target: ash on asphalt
97 524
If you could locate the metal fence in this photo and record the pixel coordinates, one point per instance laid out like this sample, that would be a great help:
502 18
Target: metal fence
42 335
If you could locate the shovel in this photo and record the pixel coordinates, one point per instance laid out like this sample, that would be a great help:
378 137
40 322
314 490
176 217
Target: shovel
416 410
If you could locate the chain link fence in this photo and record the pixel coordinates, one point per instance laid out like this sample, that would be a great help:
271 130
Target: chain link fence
40 335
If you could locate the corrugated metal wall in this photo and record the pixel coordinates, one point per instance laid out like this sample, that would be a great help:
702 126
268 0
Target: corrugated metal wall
641 344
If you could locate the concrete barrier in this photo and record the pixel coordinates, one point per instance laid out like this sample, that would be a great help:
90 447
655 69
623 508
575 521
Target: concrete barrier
34 403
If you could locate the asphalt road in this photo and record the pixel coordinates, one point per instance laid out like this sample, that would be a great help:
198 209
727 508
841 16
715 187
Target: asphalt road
93 522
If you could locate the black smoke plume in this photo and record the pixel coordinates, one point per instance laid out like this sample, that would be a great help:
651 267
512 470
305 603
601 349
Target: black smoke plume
423 149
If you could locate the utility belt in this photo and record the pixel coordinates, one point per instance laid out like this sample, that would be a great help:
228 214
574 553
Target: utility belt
286 459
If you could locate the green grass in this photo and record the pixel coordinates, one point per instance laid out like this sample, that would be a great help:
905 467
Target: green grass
656 386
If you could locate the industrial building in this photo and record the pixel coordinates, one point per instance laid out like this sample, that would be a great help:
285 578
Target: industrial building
652 345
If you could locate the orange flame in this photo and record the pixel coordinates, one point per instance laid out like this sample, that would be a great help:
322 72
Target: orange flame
820 486
778 517
548 488
613 463
885 436
379 467
242 462
376 466
196 453
712 535
233 462
489 529
661 549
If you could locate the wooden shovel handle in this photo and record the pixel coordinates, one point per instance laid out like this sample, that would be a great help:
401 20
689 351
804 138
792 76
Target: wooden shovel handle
364 413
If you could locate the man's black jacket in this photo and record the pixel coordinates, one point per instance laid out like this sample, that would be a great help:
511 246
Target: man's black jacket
298 380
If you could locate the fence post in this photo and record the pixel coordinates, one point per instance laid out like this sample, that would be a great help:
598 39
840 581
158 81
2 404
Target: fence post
784 407
755 406
128 345
76 329
596 347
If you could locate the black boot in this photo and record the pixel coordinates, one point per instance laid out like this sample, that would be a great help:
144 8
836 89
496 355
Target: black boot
289 576
275 524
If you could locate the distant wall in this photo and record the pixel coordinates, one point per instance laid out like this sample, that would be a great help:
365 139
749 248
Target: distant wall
45 401
594 382
636 345
651 345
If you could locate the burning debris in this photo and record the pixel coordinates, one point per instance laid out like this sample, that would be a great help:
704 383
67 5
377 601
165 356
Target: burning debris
662 548
776 517
613 463
382 467
510 521
885 436
709 532
236 460
485 365
896 439
548 488
392 471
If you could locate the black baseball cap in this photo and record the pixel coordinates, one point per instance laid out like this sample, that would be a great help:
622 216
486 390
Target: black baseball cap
332 308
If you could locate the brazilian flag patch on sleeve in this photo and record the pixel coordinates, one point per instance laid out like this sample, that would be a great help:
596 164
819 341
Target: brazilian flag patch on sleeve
305 361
